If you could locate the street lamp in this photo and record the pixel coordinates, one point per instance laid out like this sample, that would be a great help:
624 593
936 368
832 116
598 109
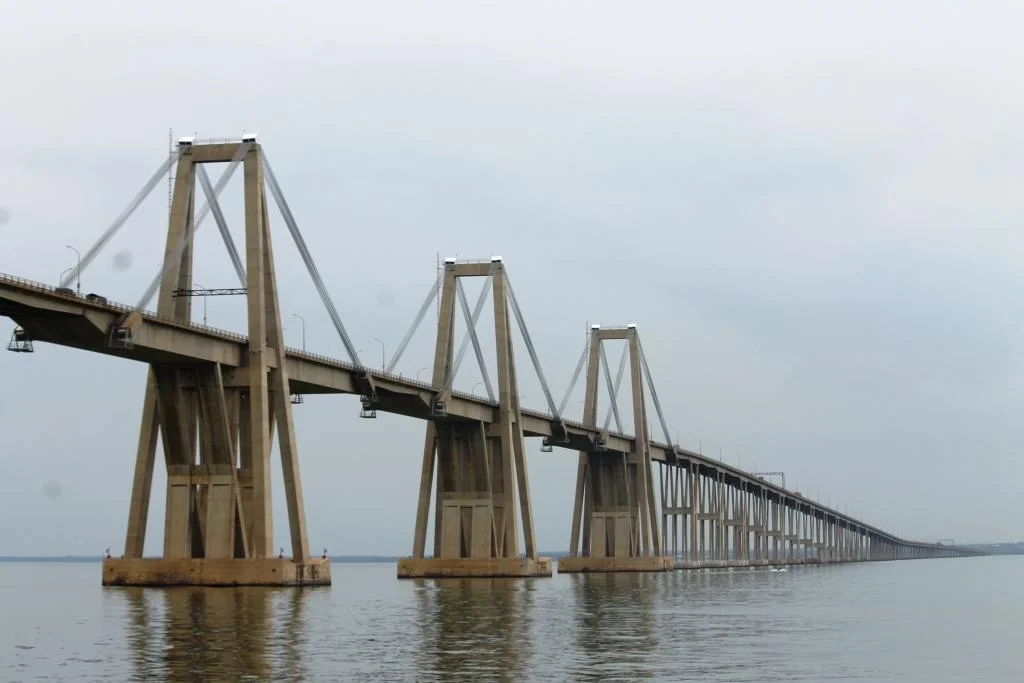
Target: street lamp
78 268
196 284
473 390
381 352
303 330
66 270
418 373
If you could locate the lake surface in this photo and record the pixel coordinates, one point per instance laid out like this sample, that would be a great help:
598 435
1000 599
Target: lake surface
922 620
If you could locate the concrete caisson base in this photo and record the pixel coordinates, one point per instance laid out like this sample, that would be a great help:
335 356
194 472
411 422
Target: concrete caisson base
200 572
463 567
573 565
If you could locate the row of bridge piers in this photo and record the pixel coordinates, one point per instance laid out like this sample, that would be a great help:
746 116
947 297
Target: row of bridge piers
707 522
217 403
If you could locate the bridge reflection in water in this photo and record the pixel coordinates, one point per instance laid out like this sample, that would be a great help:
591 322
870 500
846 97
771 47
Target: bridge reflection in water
615 628
194 633
876 622
475 628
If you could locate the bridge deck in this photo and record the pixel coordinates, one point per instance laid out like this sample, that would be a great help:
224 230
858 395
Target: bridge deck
72 321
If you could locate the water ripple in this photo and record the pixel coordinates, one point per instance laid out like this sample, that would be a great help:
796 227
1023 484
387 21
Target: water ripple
906 621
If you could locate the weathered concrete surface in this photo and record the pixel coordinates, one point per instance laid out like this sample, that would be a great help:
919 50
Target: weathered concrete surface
573 565
452 567
228 572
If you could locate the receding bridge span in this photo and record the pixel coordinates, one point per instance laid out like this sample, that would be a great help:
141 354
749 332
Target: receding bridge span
215 399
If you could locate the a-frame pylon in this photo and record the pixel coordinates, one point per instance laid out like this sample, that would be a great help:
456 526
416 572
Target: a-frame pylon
480 465
614 522
217 439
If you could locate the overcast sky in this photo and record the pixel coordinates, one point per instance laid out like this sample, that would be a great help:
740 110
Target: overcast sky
811 210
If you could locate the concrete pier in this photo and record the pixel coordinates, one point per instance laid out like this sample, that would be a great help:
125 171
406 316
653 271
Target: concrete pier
227 572
586 565
486 567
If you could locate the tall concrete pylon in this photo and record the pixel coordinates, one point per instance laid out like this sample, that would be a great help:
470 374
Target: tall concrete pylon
217 439
614 522
479 464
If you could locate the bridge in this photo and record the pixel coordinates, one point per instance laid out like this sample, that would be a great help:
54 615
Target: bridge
215 398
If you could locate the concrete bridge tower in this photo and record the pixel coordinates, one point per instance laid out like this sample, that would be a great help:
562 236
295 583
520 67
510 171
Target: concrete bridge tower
480 465
216 436
615 519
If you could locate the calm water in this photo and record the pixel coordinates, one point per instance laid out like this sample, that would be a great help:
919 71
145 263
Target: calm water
926 620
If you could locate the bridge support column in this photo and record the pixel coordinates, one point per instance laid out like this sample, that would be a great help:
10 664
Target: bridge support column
676 511
758 530
810 537
480 467
735 525
742 555
614 525
696 523
216 440
685 504
828 541
775 510
721 530
792 535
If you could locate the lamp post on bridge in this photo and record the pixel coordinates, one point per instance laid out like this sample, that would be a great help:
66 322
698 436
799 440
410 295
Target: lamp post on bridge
418 373
303 330
473 390
61 276
78 269
204 300
379 341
